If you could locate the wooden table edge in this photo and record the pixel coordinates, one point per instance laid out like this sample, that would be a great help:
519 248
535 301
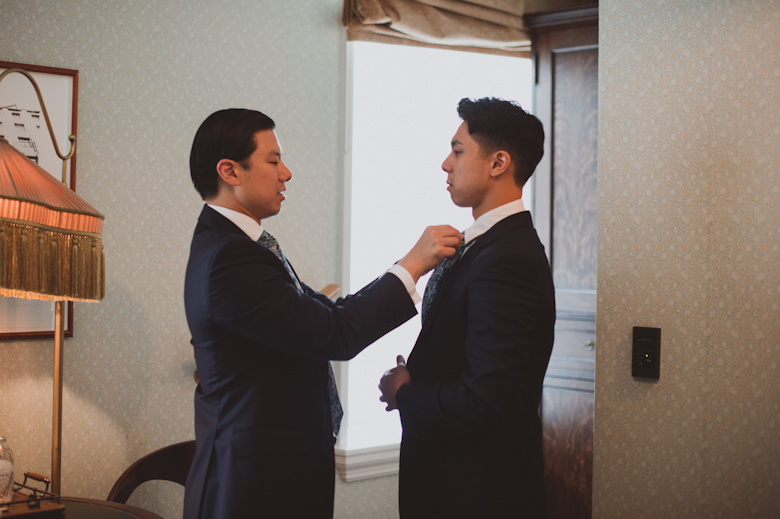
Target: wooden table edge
140 512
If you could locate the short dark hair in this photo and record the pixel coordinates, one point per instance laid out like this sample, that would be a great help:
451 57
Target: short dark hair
225 134
497 124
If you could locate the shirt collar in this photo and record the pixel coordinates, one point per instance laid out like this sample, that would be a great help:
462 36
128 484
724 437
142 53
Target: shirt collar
244 222
486 221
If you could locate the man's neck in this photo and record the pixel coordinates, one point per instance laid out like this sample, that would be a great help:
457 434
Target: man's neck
501 191
495 201
228 201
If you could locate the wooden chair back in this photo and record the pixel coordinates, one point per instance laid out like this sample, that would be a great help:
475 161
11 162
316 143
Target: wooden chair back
171 463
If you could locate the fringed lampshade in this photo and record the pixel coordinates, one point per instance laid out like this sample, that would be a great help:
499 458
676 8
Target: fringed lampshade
50 238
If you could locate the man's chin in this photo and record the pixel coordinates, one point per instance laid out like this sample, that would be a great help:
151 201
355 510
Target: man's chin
457 201
268 212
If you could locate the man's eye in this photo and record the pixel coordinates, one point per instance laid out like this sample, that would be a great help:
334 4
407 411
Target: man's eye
274 162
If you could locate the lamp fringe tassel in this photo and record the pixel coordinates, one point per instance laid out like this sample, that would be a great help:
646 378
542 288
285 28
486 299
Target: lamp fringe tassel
60 266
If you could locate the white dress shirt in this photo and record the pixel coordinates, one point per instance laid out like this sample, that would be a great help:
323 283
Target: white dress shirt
251 228
486 221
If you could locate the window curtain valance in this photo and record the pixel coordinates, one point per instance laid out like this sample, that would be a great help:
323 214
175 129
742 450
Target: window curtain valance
489 26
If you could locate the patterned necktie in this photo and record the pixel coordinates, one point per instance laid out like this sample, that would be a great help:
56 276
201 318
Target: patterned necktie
439 275
336 412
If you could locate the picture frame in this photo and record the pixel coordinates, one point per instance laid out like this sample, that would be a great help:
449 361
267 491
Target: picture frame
22 119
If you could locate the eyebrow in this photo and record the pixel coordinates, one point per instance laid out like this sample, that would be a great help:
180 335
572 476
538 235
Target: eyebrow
455 142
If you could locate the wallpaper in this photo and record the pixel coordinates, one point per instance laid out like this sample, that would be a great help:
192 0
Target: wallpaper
150 72
688 241
689 207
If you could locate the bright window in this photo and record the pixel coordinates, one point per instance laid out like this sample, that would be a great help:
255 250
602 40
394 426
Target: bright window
403 116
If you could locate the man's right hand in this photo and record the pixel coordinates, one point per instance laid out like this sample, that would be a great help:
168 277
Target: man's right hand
391 381
435 244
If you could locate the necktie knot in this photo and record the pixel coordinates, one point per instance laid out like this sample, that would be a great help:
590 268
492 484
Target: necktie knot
268 241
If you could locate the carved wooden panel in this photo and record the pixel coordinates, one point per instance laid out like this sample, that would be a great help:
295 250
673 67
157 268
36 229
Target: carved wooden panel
565 204
575 146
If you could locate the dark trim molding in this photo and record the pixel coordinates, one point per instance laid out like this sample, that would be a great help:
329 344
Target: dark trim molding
571 17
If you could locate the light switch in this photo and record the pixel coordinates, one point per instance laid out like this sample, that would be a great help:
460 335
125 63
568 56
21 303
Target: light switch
646 354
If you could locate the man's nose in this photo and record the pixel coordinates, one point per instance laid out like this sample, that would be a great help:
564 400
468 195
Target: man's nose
445 165
285 174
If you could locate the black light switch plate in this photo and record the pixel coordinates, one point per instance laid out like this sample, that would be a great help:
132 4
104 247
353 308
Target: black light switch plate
646 353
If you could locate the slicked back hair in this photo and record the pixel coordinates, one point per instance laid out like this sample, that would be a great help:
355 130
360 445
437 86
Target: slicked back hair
496 124
225 134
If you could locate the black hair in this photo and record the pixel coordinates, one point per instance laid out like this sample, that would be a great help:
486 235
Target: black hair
496 124
225 134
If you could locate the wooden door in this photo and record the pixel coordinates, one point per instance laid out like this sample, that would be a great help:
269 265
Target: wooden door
565 202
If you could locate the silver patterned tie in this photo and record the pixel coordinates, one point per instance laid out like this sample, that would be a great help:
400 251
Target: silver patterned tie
439 274
336 412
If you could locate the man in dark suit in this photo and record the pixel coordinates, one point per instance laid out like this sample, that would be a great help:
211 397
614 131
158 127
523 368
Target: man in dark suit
469 400
266 407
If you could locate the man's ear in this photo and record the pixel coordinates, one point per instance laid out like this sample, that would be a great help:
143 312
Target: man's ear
226 169
500 163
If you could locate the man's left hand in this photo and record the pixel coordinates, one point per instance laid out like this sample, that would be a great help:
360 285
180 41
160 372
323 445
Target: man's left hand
391 381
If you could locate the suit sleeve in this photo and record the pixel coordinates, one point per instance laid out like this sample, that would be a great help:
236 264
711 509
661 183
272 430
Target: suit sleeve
251 297
501 357
319 296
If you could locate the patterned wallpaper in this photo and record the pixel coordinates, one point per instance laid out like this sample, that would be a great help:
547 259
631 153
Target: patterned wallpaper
689 210
689 206
150 72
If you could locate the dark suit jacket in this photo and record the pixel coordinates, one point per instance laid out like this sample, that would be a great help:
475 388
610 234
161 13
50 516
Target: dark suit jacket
472 438
262 408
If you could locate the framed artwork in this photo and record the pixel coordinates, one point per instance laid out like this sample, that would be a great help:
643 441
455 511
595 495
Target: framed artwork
22 124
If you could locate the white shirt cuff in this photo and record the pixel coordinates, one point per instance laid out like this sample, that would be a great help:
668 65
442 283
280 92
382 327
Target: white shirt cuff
406 278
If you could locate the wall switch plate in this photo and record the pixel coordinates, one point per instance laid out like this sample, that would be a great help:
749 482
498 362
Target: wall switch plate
646 354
